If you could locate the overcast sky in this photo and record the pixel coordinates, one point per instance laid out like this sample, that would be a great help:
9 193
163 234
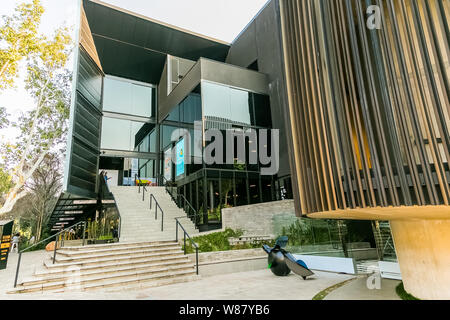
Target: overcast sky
221 19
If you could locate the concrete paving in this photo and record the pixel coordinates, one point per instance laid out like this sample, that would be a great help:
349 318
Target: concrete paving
358 290
261 284
252 285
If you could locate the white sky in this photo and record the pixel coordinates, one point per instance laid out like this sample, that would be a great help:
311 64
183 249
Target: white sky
221 19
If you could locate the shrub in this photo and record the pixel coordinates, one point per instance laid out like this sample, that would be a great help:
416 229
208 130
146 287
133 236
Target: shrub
218 241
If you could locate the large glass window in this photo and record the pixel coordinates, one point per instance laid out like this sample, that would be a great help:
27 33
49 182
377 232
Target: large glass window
235 106
118 134
226 103
191 108
126 97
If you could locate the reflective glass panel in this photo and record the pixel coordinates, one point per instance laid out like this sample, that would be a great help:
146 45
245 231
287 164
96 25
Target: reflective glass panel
127 98
119 134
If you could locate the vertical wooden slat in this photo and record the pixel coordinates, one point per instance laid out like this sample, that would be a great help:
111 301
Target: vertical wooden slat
369 109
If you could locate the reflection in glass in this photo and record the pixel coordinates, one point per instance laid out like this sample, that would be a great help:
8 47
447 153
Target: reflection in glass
118 134
128 98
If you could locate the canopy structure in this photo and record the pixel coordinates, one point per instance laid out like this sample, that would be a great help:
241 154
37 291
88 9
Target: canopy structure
133 46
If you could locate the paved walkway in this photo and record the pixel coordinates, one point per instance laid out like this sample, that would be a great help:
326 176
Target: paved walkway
357 290
258 285
253 285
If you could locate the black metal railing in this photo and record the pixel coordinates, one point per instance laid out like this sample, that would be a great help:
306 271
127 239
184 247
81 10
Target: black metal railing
183 203
152 197
186 235
157 206
58 239
105 183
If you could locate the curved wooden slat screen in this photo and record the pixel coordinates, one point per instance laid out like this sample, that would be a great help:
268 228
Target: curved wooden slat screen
369 108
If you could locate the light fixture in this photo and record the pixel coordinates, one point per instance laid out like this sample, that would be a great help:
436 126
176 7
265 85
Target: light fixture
85 202
74 212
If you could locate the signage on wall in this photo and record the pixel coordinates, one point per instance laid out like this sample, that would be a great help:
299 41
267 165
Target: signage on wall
168 164
180 157
5 238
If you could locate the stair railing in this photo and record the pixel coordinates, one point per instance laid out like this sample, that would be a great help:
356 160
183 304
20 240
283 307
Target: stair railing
182 202
144 188
152 197
186 235
103 181
157 206
57 239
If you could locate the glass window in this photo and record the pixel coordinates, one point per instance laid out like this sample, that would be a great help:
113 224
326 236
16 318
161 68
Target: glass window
174 115
125 97
253 184
234 105
191 108
240 106
144 147
166 135
152 141
119 134
216 101
263 115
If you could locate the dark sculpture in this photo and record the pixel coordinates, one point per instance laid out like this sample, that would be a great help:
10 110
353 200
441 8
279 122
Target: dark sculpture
281 262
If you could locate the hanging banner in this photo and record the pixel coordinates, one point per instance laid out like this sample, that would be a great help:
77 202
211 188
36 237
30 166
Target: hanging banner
180 157
168 164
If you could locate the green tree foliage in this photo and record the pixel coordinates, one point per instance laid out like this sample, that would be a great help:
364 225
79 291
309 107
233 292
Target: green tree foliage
19 39
44 186
4 122
43 129
5 182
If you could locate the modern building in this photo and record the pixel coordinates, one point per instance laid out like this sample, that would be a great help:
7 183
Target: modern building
357 89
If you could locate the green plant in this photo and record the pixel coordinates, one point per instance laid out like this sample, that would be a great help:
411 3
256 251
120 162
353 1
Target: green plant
107 237
218 241
401 292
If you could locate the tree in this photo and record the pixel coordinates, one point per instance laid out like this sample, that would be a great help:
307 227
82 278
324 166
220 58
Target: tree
44 187
5 182
3 118
44 128
18 39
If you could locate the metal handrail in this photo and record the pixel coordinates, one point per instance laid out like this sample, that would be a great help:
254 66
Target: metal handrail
117 207
54 251
190 239
156 210
195 214
144 188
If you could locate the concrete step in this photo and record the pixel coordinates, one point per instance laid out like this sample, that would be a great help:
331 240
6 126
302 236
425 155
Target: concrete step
112 255
99 263
94 276
105 282
151 284
117 244
80 253
111 266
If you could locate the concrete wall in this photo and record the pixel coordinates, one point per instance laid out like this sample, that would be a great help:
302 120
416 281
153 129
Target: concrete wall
423 252
260 219
224 262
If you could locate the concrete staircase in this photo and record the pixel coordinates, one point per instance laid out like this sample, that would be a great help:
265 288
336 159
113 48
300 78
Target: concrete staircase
144 257
138 221
111 267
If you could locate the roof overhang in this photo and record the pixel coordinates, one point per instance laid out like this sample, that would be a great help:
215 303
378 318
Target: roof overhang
132 46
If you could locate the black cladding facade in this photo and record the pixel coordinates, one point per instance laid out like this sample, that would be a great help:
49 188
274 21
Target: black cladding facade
261 42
